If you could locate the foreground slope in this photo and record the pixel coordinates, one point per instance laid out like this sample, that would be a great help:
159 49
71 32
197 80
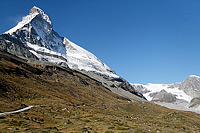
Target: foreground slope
69 101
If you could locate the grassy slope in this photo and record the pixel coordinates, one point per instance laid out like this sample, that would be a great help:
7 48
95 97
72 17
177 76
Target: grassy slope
61 91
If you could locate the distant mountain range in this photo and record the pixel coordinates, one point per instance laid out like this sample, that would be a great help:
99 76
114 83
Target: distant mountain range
184 96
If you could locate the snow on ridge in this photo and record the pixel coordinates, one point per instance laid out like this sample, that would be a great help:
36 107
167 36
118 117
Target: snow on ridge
83 59
77 58
48 58
154 88
191 76
27 19
43 49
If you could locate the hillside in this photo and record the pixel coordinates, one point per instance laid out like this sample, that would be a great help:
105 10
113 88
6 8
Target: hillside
71 101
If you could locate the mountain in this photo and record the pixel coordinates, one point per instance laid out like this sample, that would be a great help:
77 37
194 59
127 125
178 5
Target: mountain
35 32
150 90
35 38
44 89
191 86
181 96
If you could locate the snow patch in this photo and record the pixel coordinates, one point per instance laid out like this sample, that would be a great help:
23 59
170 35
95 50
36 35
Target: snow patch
154 88
47 58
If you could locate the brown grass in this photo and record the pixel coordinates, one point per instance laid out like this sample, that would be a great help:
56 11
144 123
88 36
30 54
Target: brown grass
62 90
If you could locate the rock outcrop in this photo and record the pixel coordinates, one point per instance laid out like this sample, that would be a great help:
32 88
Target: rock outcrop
164 96
191 86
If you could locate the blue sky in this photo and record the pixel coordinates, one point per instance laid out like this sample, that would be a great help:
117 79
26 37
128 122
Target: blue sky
144 41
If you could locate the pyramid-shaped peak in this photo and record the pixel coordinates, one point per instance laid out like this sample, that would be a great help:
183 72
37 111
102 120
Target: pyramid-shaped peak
36 9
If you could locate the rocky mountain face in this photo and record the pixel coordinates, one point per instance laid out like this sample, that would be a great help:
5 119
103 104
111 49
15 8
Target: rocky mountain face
195 102
34 38
164 96
191 86
182 96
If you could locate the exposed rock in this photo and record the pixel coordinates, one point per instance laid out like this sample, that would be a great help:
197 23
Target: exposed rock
195 102
191 86
116 85
164 96
153 94
140 88
174 85
14 46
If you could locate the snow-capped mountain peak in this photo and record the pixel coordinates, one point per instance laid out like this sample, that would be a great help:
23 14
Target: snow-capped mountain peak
39 11
27 19
36 32
191 85
34 12
175 95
